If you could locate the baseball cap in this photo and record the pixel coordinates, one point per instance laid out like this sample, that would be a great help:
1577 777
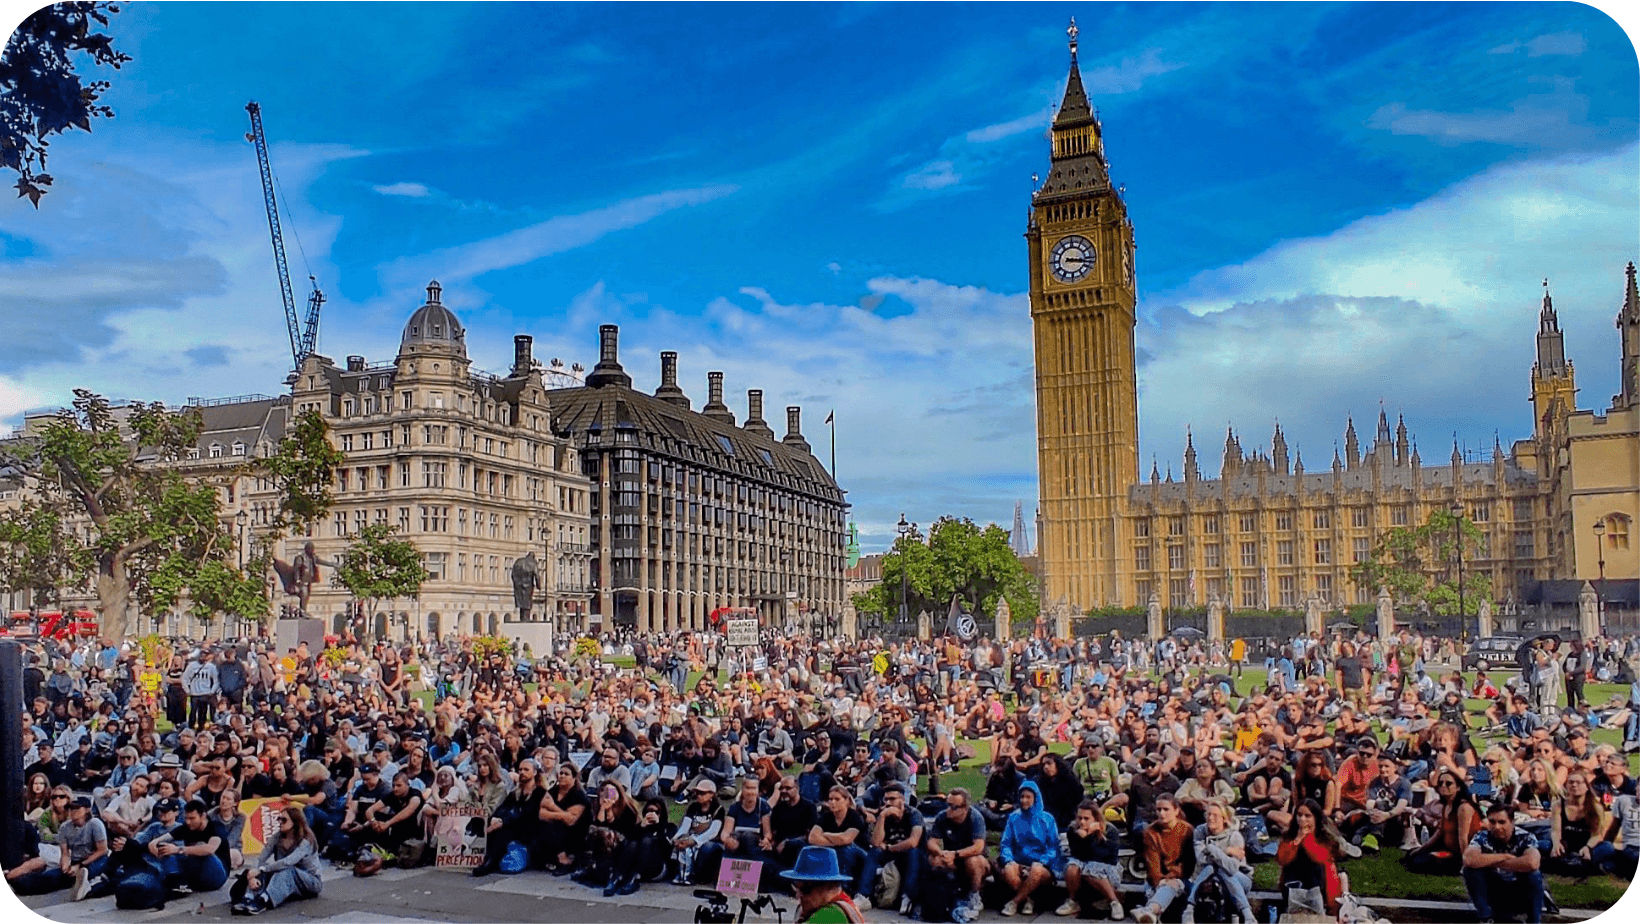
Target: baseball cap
370 768
81 802
705 786
167 805
380 746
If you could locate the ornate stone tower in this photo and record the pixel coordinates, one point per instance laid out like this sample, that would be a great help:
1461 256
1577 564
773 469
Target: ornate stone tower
1082 314
1552 376
1628 326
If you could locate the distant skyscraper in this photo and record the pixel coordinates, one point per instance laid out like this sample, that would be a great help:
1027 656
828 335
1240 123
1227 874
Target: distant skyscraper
1018 539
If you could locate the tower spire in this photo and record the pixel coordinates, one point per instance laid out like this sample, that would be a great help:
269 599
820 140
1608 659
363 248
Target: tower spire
1191 473
1078 145
1628 326
1551 344
1352 445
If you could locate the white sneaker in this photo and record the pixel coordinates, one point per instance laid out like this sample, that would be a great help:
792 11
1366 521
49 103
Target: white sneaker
1010 909
1143 915
905 905
1189 915
82 885
1029 908
1116 911
862 902
1350 850
1069 908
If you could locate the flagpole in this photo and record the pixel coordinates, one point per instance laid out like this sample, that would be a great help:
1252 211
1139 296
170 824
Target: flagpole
831 418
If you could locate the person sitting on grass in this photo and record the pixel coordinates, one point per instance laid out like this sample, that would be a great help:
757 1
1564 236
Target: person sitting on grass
1093 854
1577 828
1502 868
1458 821
1168 844
1309 852
288 868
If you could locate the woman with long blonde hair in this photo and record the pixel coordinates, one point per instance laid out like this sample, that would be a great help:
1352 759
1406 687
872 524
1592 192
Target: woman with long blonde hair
1577 830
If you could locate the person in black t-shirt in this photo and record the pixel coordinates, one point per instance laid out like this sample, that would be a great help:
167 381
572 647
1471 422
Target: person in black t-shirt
393 819
517 818
790 820
565 815
842 828
895 837
194 855
956 852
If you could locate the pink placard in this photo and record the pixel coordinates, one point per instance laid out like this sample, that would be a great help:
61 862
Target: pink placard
740 877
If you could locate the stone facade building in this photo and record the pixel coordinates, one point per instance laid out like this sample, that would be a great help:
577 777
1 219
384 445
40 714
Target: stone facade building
1267 533
692 513
467 465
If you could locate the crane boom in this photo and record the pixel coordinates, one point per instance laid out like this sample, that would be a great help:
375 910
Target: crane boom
302 340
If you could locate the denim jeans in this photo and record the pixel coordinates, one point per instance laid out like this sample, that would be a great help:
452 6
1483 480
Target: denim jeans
1160 896
1487 889
201 874
1235 884
910 868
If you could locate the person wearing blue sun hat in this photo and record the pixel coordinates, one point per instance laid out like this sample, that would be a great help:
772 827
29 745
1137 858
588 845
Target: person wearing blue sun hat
818 883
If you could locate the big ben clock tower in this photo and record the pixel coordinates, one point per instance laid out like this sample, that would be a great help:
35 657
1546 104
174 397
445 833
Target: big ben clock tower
1082 319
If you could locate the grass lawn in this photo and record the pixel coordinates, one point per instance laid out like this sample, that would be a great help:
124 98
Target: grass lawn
1383 876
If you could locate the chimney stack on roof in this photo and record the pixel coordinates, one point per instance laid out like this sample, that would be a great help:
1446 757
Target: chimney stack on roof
669 390
715 408
794 429
608 371
754 414
523 354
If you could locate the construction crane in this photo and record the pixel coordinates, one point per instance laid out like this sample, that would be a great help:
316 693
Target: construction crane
303 336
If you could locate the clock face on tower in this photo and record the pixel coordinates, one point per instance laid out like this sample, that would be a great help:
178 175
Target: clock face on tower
1072 258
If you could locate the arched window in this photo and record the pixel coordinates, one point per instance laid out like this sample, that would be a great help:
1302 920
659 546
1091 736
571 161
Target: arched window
1617 532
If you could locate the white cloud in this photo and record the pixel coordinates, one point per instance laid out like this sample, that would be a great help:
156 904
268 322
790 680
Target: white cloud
1431 308
1555 119
1555 43
933 175
1127 75
412 190
1035 121
555 235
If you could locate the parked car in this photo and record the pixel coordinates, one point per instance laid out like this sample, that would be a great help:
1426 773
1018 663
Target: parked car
1487 653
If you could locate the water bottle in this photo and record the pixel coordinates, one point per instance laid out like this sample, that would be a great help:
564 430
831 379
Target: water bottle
1272 914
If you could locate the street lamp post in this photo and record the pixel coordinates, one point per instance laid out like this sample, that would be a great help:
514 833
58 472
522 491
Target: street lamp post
242 518
904 529
1600 582
1457 535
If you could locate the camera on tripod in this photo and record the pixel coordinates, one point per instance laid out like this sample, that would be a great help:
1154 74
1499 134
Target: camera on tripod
714 908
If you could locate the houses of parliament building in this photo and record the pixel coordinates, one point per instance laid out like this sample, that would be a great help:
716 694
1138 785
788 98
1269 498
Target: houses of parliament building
1267 533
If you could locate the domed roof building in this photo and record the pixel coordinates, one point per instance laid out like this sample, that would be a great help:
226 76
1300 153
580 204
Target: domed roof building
434 326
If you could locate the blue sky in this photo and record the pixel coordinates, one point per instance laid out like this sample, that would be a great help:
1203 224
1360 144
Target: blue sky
1338 207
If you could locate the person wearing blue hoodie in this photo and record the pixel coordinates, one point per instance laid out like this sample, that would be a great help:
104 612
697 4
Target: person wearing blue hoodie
1029 855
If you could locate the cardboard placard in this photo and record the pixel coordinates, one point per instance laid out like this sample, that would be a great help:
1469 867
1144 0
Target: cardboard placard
741 631
461 835
259 822
581 758
740 877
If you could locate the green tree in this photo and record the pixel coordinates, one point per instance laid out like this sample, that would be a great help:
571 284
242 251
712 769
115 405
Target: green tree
40 93
378 566
36 557
303 468
958 558
123 506
1419 565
